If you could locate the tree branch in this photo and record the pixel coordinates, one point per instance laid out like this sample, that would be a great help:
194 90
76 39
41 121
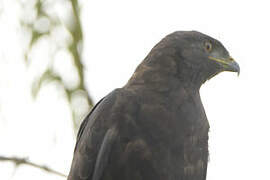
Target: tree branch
19 161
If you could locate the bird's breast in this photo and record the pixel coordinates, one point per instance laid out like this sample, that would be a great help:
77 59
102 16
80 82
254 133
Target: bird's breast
177 131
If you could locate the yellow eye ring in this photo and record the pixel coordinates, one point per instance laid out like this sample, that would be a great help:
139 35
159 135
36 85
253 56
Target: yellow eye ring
208 46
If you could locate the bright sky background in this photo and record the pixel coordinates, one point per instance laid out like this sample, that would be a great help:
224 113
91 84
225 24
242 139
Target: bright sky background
118 35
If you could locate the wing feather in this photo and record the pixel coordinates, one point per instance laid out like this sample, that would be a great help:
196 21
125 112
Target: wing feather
84 123
94 140
104 152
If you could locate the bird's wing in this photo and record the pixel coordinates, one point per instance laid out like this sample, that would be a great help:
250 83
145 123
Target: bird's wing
104 152
84 123
95 138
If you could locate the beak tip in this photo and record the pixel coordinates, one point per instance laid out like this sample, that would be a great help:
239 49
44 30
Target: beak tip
238 69
234 66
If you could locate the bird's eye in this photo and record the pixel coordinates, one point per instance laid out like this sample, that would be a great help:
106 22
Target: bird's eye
208 46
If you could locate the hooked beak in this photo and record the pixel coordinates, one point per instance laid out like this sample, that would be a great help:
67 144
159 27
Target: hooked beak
227 64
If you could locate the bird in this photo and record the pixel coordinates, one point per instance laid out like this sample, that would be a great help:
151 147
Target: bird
155 126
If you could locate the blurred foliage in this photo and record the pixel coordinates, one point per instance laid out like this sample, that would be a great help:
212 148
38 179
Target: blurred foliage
41 19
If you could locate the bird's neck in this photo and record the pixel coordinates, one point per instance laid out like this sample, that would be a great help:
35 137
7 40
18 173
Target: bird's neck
191 77
168 74
160 80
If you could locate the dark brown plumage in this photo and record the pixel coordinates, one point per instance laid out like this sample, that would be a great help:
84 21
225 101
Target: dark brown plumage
155 127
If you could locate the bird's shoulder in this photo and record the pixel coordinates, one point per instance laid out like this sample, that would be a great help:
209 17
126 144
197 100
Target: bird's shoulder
116 107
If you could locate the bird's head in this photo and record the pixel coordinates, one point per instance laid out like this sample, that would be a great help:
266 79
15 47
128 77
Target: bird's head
191 56
200 54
